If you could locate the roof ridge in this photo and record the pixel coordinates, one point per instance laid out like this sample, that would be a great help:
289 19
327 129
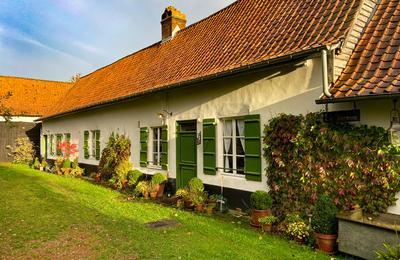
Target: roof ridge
47 80
159 42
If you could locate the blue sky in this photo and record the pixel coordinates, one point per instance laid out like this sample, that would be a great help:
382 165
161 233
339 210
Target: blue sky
55 39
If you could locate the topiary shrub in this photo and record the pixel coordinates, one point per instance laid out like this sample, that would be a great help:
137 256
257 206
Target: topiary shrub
324 216
260 200
116 151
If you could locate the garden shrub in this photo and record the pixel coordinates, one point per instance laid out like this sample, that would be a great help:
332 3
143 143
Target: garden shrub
260 200
23 151
307 157
120 177
117 151
133 177
324 216
196 185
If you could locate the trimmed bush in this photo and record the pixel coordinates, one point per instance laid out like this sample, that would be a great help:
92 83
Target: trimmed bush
260 200
324 216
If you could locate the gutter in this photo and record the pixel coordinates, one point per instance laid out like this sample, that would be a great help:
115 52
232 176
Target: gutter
219 75
356 98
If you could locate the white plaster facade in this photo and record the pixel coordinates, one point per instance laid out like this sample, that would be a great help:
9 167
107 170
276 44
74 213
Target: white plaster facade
290 89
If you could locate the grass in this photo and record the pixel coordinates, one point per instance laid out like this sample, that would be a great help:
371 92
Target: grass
47 216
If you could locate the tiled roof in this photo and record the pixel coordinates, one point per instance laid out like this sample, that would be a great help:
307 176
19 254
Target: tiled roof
374 66
244 33
31 97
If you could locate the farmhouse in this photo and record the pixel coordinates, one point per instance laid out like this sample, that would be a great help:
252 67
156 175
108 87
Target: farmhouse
27 100
194 103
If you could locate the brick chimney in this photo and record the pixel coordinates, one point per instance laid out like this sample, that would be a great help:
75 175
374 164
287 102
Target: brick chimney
172 20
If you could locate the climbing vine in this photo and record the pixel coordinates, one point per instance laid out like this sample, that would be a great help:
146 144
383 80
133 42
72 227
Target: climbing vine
354 165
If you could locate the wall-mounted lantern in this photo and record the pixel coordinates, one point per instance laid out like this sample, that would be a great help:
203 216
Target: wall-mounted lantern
164 114
394 129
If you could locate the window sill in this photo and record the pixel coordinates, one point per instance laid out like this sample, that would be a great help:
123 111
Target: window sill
236 176
154 167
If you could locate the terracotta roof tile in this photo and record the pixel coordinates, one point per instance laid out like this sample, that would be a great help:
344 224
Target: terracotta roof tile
244 33
31 97
374 66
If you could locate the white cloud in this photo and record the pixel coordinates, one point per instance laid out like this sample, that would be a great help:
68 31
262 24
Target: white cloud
89 48
18 36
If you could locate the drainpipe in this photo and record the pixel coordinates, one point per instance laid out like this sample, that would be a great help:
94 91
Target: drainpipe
325 82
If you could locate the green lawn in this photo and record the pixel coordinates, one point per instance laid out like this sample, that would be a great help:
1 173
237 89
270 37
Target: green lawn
47 216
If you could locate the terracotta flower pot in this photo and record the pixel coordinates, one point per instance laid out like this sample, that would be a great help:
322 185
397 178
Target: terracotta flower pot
153 195
188 204
146 195
256 214
326 242
210 211
160 191
267 227
199 207
180 203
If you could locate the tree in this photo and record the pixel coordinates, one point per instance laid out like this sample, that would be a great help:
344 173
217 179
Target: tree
5 111
75 78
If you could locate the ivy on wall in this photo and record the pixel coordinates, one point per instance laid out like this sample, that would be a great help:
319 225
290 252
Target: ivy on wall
354 165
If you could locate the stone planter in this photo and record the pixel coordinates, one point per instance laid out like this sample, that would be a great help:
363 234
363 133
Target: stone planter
362 235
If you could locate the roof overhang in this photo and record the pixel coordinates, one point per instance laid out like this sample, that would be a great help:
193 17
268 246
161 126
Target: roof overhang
267 64
356 98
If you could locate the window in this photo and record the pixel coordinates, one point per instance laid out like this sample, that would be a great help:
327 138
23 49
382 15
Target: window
91 144
67 137
234 146
156 146
51 145
59 138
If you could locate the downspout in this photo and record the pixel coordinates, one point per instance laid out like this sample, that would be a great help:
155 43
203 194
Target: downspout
325 81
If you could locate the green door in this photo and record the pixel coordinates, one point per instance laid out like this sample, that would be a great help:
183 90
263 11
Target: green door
186 153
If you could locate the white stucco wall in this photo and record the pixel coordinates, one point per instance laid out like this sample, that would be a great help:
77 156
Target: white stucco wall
290 89
23 119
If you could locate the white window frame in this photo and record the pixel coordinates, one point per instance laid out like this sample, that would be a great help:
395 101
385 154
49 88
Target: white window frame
234 137
151 151
92 144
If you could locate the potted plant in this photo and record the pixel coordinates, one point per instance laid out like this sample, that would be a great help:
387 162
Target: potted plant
324 224
159 179
296 228
181 195
267 222
153 190
143 188
260 202
198 201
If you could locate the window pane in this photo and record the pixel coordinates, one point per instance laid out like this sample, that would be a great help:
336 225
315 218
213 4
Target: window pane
228 164
239 125
228 146
228 128
155 159
240 165
240 146
155 133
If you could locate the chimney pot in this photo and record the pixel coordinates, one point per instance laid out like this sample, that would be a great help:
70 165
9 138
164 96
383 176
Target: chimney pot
172 20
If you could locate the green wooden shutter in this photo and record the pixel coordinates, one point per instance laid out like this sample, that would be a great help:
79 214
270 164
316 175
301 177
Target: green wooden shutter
68 137
209 147
86 144
97 145
164 148
58 142
51 144
252 132
144 134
